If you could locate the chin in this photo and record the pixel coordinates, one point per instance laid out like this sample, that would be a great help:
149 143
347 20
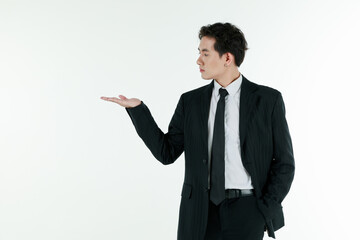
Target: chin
206 78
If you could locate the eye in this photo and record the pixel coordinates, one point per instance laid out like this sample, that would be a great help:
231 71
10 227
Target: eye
204 54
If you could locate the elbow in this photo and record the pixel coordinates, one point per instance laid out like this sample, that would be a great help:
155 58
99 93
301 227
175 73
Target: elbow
166 161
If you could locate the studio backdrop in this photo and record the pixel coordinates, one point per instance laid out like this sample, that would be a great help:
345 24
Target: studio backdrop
72 166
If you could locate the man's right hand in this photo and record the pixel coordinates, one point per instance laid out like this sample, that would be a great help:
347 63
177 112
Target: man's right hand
123 101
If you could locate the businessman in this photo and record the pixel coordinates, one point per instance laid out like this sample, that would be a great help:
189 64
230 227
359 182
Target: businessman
239 162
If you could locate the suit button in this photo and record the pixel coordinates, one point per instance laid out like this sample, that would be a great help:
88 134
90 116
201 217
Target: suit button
204 161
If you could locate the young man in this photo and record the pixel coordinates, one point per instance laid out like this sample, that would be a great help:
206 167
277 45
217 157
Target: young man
239 162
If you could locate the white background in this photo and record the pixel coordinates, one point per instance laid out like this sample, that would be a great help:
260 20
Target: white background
72 165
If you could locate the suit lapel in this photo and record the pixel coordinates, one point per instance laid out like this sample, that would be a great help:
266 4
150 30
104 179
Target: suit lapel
205 108
248 102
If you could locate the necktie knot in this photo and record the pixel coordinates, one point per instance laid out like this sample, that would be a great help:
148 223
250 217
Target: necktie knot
223 92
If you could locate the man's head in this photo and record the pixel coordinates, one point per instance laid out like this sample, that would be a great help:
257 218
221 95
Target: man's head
222 45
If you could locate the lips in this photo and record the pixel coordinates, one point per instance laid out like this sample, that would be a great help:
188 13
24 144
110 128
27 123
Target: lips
202 70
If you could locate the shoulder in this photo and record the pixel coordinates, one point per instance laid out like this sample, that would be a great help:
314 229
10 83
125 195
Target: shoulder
196 97
197 91
261 90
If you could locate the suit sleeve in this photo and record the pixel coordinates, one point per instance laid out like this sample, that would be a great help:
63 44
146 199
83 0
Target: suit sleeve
283 166
166 147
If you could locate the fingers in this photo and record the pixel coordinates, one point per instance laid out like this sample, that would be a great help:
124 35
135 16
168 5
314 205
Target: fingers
122 97
122 100
111 99
105 98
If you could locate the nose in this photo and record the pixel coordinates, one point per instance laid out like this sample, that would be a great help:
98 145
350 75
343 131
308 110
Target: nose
198 61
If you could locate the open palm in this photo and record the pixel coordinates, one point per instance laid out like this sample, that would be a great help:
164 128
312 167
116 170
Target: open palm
123 101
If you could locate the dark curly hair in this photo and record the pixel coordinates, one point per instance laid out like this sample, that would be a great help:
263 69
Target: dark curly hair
228 38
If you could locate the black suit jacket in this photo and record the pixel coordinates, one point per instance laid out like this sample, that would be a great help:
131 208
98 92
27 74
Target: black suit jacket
266 151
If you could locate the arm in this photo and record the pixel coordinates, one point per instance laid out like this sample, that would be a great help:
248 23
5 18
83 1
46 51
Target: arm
283 166
165 147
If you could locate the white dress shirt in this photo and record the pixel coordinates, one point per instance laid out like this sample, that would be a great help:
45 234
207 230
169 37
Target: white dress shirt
235 174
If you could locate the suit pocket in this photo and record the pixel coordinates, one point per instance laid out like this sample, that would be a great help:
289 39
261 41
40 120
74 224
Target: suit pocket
186 191
269 208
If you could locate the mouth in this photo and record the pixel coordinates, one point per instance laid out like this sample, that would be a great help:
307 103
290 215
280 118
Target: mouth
202 70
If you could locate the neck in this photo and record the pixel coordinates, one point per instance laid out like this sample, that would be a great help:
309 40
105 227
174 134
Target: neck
228 77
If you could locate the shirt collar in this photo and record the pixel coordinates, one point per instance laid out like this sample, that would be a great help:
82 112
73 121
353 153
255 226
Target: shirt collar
232 88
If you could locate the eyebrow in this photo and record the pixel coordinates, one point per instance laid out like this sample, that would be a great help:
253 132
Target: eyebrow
204 50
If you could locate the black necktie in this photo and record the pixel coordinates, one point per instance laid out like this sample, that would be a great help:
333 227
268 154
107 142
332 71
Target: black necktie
217 187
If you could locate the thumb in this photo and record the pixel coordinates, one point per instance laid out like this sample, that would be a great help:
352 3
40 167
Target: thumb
122 97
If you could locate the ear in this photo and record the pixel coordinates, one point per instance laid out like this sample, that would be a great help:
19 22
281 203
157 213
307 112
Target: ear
229 58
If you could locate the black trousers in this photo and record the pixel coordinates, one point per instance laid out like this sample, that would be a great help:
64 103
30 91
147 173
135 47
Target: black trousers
235 219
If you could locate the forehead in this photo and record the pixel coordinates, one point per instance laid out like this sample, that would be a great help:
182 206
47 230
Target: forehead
207 43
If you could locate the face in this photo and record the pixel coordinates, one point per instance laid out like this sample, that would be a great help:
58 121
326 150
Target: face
210 63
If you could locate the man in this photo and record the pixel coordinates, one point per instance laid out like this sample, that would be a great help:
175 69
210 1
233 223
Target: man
239 161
